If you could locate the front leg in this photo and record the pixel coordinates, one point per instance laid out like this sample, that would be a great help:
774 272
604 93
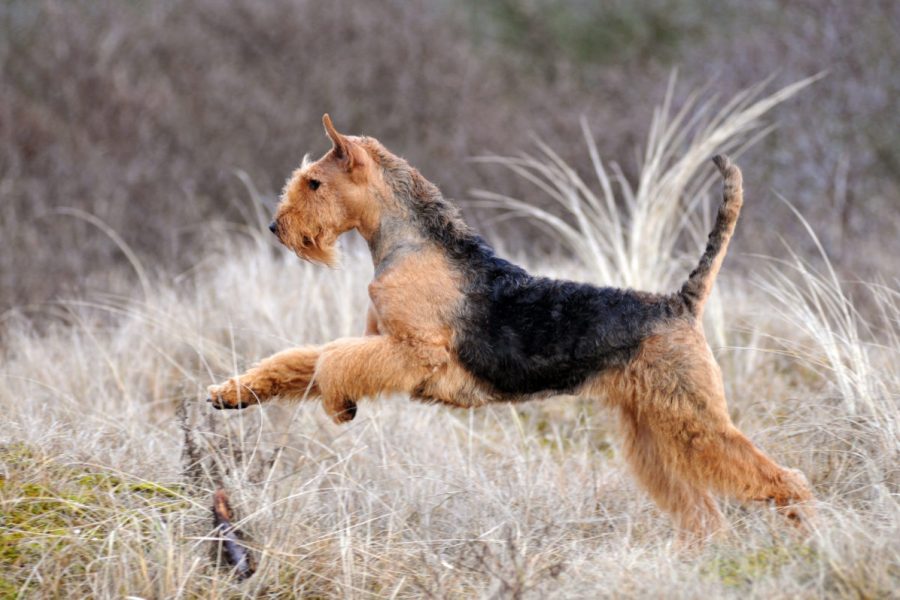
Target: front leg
372 321
341 373
289 373
354 368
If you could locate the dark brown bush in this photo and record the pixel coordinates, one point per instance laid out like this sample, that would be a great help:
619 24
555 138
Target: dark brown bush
143 113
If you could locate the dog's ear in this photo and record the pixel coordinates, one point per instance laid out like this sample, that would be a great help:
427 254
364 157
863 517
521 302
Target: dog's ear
340 144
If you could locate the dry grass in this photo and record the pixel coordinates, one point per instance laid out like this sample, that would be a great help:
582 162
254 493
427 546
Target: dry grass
620 231
109 455
98 498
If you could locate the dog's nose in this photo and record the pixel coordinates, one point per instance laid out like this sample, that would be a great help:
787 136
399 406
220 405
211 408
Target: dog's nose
273 227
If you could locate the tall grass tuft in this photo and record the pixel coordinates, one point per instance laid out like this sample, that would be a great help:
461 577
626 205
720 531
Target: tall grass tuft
627 234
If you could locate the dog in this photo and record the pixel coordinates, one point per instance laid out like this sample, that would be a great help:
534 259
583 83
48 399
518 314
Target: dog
451 322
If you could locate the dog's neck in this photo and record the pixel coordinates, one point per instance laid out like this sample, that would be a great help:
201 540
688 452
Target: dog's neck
394 237
396 230
412 214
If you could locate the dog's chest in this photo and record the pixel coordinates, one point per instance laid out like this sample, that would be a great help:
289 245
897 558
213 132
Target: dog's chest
415 297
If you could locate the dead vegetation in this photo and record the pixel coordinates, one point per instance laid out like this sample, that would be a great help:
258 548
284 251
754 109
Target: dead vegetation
111 456
139 146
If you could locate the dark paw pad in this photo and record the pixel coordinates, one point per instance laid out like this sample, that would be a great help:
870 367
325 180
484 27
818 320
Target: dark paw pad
219 404
347 413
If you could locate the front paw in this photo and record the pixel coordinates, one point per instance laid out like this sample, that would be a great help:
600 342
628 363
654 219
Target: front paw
341 410
229 395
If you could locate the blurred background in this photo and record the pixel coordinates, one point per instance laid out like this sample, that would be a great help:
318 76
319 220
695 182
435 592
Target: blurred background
154 116
143 144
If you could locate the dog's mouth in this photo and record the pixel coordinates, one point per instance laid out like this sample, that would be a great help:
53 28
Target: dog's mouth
312 245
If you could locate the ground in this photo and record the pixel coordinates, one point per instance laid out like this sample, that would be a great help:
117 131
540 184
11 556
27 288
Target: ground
100 498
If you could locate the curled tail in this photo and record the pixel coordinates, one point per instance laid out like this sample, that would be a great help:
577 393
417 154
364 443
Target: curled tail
697 288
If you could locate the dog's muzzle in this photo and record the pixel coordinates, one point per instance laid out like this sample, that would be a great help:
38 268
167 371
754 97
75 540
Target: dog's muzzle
273 227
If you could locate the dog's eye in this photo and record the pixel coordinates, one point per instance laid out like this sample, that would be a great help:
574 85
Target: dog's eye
314 184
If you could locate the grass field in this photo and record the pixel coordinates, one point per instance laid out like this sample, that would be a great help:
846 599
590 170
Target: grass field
109 454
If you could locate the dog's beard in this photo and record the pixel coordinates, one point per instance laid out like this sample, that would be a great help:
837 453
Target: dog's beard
319 250
312 244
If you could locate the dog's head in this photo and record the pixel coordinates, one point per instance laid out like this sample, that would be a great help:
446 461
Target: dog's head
326 198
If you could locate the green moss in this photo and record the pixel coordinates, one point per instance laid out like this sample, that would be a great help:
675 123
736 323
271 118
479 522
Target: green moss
100 481
53 513
743 569
8 589
148 488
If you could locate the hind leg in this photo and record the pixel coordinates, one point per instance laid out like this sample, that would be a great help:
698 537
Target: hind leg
705 447
708 449
733 465
691 506
682 401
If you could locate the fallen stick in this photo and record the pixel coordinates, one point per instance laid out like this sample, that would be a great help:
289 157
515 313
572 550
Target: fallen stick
229 539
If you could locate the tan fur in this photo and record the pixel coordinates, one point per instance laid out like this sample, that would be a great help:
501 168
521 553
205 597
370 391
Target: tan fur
310 221
678 437
372 321
698 287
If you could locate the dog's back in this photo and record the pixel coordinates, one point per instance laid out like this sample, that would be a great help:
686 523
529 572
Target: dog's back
525 335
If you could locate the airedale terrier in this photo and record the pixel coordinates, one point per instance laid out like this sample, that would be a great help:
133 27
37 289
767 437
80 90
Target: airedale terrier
451 322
